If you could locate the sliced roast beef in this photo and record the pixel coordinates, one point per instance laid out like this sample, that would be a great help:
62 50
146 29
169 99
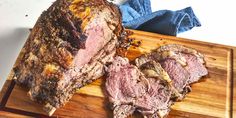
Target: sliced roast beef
124 82
195 68
129 90
159 79
177 73
191 60
152 69
183 65
156 99
176 79
67 49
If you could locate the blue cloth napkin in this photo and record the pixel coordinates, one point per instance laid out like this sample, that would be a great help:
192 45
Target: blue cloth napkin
137 14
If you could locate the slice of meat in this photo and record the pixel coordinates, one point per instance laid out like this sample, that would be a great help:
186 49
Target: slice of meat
67 49
129 90
178 74
161 78
177 79
195 68
156 98
183 65
124 82
191 60
175 51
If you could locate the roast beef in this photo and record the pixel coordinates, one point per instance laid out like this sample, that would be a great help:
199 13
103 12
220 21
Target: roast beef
155 82
67 49
129 90
189 58
177 73
183 65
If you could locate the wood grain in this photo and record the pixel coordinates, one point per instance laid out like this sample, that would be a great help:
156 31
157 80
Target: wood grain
213 96
5 114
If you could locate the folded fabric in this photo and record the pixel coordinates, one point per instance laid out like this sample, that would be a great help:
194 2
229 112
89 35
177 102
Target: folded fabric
137 14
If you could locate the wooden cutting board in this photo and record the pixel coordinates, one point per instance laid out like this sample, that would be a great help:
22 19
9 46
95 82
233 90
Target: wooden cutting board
213 96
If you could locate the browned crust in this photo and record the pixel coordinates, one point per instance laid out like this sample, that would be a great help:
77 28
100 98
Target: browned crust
49 49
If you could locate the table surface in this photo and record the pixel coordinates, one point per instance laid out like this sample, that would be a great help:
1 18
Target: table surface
17 16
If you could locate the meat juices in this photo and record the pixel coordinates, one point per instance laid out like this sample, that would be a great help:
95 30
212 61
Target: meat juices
155 82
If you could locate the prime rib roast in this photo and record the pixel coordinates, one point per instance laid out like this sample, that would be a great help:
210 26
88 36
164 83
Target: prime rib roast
68 48
154 82
74 42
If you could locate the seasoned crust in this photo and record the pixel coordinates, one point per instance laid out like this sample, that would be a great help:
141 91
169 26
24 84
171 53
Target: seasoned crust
48 64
